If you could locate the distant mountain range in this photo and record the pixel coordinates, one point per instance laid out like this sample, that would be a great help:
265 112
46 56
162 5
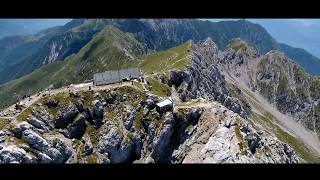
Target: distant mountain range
20 55
10 27
23 54
302 33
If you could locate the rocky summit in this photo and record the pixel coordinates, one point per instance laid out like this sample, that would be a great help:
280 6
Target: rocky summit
193 103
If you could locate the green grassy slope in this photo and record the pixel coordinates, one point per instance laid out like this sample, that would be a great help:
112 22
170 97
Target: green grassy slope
106 51
174 58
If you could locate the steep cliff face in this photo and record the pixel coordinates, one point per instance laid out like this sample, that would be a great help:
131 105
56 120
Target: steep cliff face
222 136
286 84
277 78
202 78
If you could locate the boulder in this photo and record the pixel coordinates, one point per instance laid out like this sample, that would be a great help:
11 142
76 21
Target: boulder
97 110
149 105
151 134
52 103
55 155
42 115
111 97
37 123
17 131
2 136
77 128
137 144
88 115
129 120
80 105
43 158
65 151
88 147
12 154
30 159
35 140
253 142
103 158
66 116
25 147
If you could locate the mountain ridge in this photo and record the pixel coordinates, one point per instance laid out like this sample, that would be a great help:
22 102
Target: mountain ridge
154 34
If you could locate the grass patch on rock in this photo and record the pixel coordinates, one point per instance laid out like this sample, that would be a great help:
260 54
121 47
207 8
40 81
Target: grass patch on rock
24 114
4 123
92 159
158 88
241 142
93 134
174 58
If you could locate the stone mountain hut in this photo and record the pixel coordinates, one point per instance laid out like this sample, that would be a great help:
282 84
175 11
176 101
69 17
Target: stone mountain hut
111 77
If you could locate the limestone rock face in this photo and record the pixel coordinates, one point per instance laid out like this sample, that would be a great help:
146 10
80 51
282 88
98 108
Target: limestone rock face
163 139
114 144
204 79
231 140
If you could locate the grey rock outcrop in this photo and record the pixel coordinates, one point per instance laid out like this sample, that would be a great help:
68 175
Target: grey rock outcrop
66 116
231 139
13 154
77 128
129 120
2 136
114 143
97 112
44 159
161 143
148 106
204 79
137 144
88 147
17 131
37 123
52 103
55 155
35 140
65 151
80 105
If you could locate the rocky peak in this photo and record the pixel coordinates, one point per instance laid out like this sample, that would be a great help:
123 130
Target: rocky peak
208 45
156 24
206 48
238 44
